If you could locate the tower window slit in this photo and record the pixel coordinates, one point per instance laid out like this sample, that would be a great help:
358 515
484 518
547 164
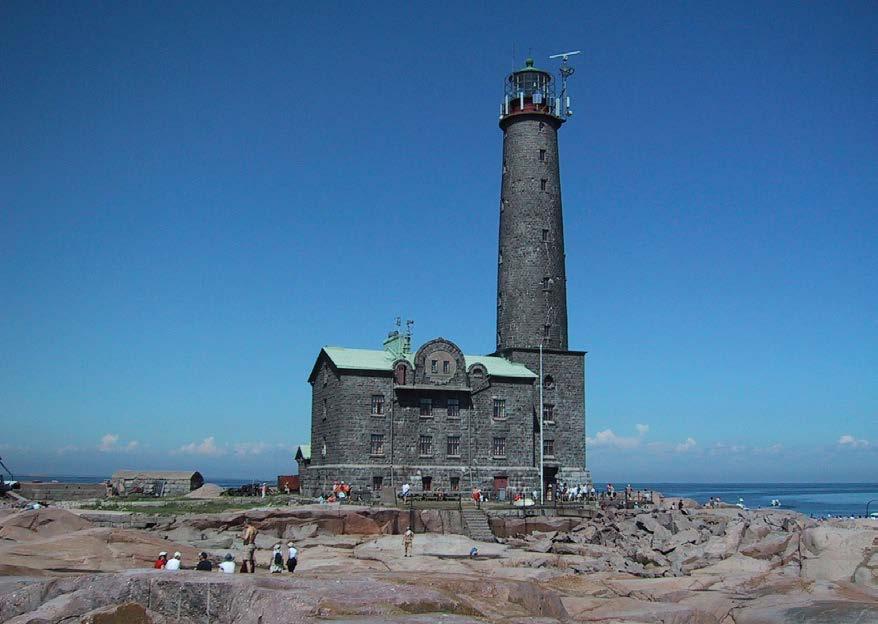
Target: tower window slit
545 235
542 154
543 184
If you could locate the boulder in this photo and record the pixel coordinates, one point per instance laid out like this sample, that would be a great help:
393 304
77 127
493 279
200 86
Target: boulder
432 520
769 546
360 525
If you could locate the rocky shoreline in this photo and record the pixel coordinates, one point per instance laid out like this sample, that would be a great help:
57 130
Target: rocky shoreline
691 566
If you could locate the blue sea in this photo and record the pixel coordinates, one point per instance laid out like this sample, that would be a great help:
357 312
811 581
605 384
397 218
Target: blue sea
813 499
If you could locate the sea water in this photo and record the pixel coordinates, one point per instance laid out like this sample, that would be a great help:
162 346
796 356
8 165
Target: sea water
813 499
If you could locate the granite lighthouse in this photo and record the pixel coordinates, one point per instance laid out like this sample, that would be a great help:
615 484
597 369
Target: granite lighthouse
531 273
437 419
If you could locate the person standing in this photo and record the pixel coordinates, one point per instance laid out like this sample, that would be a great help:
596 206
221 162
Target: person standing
292 558
249 537
277 560
407 540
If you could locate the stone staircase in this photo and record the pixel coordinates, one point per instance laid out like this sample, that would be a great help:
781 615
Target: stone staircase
477 526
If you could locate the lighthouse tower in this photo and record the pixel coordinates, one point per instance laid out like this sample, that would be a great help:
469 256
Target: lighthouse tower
531 273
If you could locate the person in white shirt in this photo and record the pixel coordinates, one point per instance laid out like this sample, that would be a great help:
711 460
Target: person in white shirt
228 566
174 562
292 558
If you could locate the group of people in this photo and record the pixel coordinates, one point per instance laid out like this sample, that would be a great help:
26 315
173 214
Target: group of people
248 563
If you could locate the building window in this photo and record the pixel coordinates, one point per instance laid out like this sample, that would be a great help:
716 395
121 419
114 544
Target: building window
499 447
377 445
478 373
549 382
547 281
543 184
445 366
545 235
548 413
377 404
425 446
400 374
546 330
426 407
499 409
455 484
549 448
541 126
542 155
377 483
453 446
434 366
453 408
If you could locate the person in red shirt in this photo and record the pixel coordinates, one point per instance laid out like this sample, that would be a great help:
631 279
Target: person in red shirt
161 561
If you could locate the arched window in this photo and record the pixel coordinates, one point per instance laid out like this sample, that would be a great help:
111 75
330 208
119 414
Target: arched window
548 382
400 374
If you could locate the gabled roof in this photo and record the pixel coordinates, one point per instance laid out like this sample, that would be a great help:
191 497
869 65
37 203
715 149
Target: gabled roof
379 360
169 475
303 452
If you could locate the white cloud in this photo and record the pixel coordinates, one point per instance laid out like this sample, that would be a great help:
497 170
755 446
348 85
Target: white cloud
206 447
686 445
251 448
608 438
850 441
108 442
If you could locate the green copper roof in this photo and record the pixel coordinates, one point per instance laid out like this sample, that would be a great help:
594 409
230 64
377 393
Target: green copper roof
499 367
529 66
371 359
361 359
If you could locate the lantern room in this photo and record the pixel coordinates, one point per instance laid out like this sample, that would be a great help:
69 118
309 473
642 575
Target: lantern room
530 90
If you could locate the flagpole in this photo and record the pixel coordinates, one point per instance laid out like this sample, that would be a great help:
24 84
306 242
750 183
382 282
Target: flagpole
542 459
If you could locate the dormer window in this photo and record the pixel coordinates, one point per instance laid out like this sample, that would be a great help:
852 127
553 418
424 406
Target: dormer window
445 365
434 366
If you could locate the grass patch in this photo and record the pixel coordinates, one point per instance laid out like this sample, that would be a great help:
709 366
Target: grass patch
180 506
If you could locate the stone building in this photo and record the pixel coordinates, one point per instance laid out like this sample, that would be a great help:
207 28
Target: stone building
156 482
439 419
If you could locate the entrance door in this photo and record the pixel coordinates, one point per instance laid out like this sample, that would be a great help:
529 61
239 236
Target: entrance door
500 485
427 482
550 474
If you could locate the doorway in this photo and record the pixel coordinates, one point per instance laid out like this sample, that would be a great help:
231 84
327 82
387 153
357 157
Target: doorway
427 483
550 478
501 482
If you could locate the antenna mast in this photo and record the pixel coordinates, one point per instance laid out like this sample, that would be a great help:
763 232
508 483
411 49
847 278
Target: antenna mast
566 71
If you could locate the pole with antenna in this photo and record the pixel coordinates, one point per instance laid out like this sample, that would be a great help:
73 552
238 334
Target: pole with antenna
566 71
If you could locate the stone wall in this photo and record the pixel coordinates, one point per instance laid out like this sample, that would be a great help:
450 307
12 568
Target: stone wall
566 393
531 276
62 491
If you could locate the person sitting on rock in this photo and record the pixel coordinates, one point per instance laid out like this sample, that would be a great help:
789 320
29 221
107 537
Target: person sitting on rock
174 562
228 566
204 563
162 561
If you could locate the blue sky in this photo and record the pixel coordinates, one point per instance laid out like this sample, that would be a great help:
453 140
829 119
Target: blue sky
194 198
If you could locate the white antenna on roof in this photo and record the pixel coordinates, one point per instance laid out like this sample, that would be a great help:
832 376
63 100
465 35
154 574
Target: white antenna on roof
566 71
